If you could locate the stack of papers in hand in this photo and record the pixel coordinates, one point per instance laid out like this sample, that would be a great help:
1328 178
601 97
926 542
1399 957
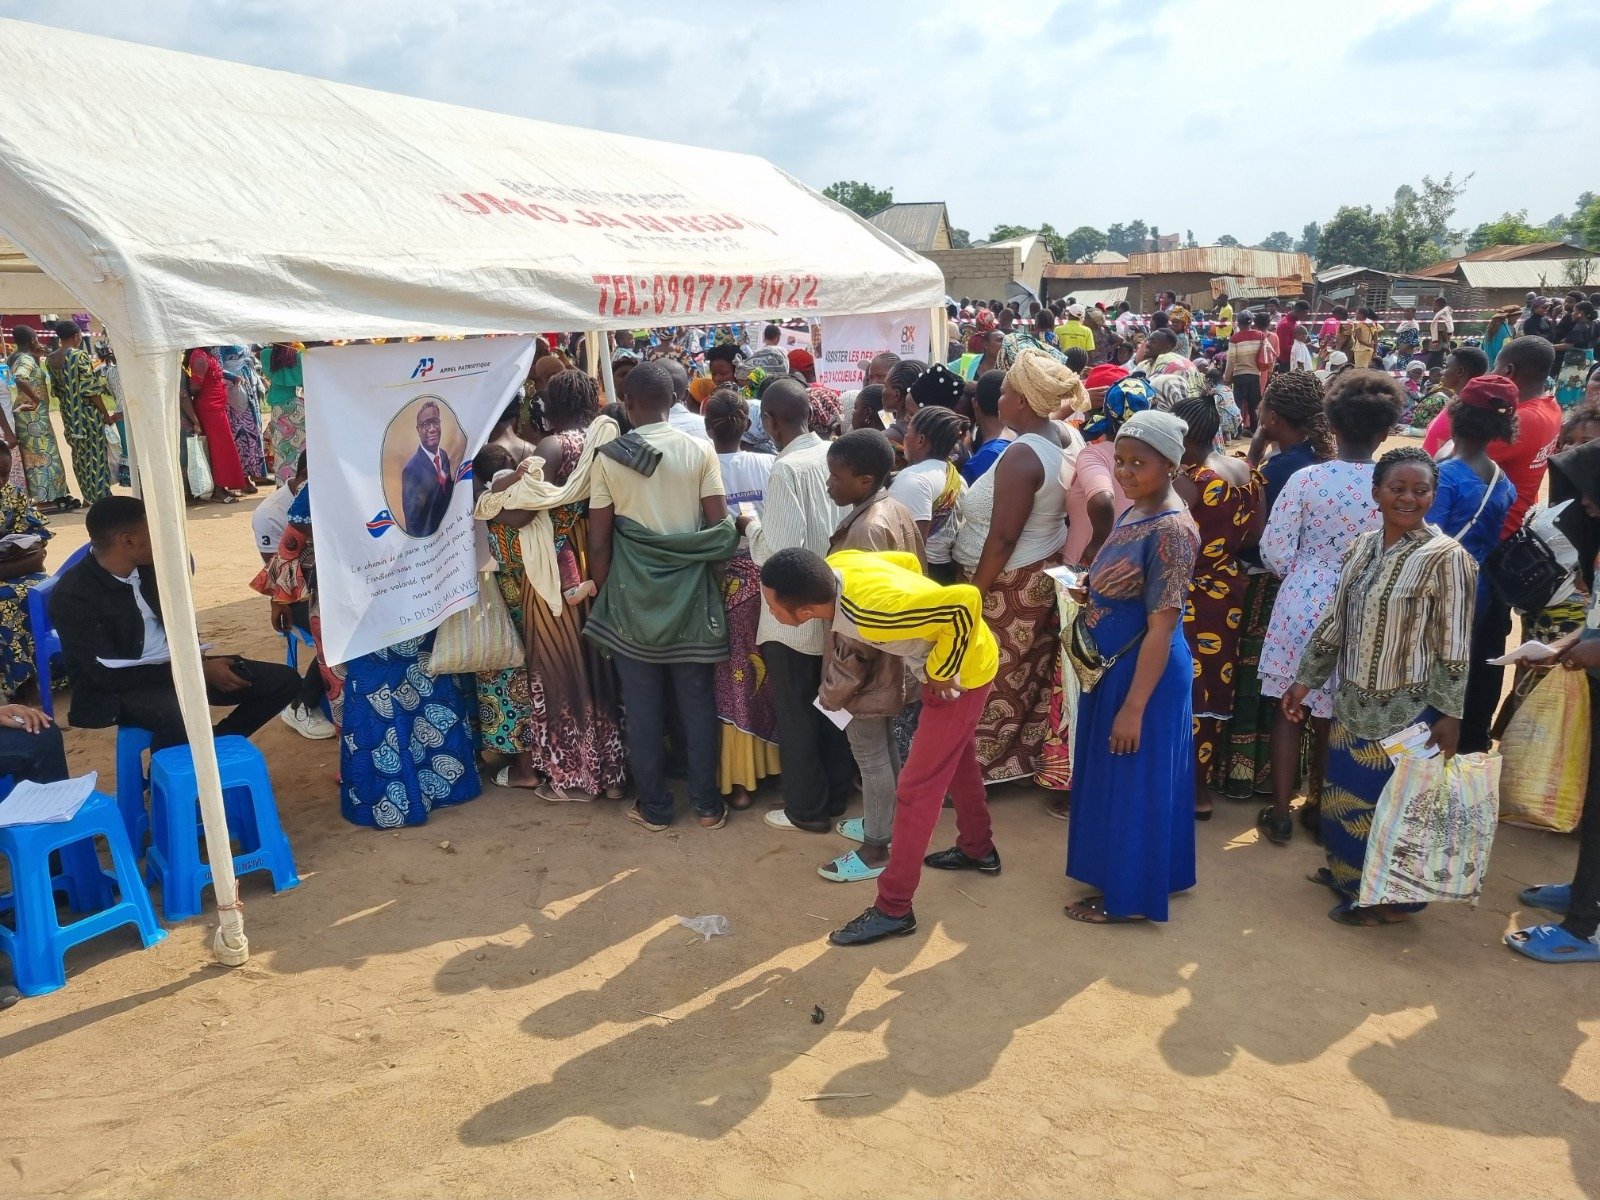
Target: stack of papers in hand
1410 742
47 803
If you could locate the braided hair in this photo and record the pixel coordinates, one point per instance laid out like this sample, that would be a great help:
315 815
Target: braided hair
723 412
943 427
1295 397
1201 416
1403 456
571 399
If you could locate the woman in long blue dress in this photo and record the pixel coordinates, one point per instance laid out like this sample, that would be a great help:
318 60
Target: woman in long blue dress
405 745
1131 832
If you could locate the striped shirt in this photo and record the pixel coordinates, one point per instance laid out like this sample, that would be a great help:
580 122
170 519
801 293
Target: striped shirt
1399 631
887 603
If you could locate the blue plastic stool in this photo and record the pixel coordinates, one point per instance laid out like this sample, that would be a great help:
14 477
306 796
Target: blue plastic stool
173 860
133 781
38 944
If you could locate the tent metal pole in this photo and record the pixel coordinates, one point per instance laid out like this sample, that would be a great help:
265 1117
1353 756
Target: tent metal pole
607 380
938 344
151 394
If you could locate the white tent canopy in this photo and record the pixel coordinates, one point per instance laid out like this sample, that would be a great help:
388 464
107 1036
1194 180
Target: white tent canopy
191 202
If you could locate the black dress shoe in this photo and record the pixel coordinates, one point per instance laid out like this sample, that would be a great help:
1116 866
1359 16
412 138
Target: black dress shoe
957 859
873 926
9 995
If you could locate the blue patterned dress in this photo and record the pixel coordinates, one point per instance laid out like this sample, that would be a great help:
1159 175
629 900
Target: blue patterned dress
17 515
405 745
1131 831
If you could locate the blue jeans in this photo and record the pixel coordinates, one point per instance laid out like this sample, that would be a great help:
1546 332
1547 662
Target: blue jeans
39 757
644 701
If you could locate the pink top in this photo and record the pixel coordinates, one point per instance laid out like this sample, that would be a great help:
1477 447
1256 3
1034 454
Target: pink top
1096 473
1438 432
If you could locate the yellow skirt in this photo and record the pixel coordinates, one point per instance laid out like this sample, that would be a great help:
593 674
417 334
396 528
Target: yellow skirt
745 760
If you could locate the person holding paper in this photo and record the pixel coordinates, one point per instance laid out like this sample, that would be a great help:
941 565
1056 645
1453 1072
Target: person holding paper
107 611
796 511
23 544
1398 635
884 602
865 683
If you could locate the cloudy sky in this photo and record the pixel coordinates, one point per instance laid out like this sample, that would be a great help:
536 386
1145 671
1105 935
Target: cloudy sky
1236 118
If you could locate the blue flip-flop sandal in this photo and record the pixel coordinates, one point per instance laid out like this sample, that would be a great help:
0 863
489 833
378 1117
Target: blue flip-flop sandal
1552 897
848 868
1553 944
854 829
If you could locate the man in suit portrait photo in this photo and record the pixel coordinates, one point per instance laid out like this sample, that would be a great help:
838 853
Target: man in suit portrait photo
427 480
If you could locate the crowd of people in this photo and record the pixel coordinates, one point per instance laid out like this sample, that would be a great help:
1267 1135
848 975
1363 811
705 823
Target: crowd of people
1047 560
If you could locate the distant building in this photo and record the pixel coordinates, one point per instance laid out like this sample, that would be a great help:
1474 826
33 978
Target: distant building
1198 276
1498 275
1008 270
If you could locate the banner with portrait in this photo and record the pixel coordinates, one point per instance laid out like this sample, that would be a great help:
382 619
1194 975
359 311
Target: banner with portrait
850 343
391 431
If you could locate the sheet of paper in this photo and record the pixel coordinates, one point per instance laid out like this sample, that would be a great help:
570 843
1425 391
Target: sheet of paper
47 803
20 542
1410 742
1526 654
841 719
1066 576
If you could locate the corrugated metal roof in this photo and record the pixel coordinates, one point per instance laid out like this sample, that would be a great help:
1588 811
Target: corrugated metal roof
914 226
1222 260
1533 273
1502 254
1089 270
1248 287
1106 256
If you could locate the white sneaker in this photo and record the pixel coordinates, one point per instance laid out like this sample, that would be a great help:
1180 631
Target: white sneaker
308 723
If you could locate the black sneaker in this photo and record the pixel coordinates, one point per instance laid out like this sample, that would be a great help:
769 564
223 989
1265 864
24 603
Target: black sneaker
8 995
873 926
956 859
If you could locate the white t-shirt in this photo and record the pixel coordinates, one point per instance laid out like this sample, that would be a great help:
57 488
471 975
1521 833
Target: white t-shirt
270 519
918 486
744 474
1300 358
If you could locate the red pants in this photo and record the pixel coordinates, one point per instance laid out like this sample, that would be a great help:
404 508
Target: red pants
943 760
226 470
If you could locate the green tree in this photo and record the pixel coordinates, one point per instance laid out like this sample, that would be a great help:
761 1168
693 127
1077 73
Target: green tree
1309 237
860 198
1510 229
1129 238
1047 232
1004 233
1228 239
1359 237
1188 239
960 239
1419 221
1584 227
1084 241
1278 240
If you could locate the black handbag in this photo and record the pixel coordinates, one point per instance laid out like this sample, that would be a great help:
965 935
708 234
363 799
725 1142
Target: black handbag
1524 572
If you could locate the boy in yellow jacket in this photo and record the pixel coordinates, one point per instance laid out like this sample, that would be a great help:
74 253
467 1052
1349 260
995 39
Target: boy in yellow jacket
884 601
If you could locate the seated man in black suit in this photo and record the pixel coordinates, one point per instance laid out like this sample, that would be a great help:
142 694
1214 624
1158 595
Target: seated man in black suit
427 481
107 607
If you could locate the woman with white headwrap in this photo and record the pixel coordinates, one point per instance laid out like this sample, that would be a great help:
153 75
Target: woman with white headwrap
1132 818
1012 525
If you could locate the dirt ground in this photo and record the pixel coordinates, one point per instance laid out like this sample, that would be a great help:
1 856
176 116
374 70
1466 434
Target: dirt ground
520 1014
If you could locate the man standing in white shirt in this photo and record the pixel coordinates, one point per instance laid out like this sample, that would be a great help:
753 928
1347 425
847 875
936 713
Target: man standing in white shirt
817 765
1441 333
679 416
